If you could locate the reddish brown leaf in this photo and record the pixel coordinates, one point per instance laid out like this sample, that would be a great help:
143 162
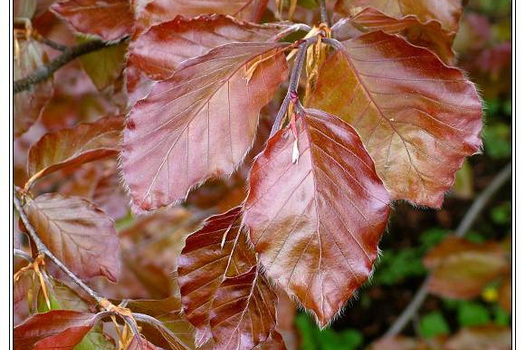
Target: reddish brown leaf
79 234
25 291
243 311
316 224
108 19
150 246
30 104
486 337
58 329
461 269
72 147
429 34
447 12
97 182
274 342
418 118
505 294
398 343
199 123
163 47
152 12
200 275
138 343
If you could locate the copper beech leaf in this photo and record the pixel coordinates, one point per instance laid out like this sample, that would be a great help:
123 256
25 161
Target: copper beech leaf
108 19
448 12
316 224
429 34
152 12
79 234
57 329
29 104
156 53
176 333
243 311
163 47
485 337
460 269
80 144
199 123
138 343
417 118
208 280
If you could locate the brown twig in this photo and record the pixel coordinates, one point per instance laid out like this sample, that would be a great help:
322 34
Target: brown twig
324 12
468 220
44 72
295 77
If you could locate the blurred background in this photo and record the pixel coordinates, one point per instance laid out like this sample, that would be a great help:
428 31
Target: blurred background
469 299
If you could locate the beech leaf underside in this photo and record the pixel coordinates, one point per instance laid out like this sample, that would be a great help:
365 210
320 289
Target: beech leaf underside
199 123
152 12
71 147
28 105
429 34
417 118
316 224
163 47
447 12
108 19
77 233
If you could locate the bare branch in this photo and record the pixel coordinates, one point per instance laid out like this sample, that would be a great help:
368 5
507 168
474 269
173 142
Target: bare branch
51 43
475 209
44 72
20 253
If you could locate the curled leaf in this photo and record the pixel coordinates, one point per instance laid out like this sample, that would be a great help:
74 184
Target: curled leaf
80 144
108 19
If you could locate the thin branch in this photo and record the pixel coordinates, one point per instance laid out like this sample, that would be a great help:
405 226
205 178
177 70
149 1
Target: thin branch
336 44
44 72
41 247
51 43
468 220
324 12
295 77
20 253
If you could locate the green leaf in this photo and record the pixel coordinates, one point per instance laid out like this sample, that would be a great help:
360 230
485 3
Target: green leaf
502 214
497 141
432 237
397 266
314 339
473 314
501 316
433 324
104 66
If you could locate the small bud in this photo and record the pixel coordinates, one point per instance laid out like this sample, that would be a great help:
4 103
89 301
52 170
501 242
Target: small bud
295 152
